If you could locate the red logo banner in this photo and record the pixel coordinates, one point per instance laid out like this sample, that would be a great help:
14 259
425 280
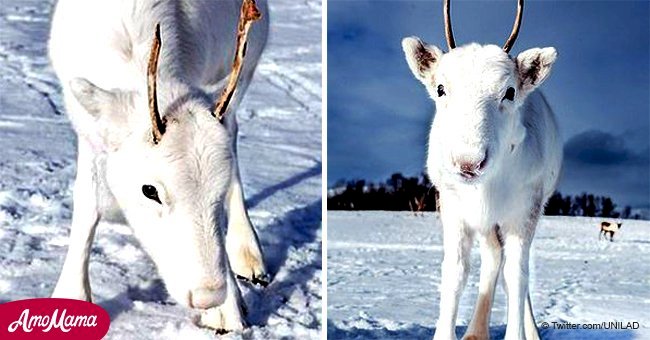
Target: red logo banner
50 318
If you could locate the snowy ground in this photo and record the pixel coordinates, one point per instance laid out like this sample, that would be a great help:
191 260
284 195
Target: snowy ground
280 126
383 275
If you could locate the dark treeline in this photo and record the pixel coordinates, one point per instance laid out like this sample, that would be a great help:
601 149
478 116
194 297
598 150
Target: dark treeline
397 193
417 194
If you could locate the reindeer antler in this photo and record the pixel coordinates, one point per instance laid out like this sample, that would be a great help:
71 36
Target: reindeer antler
515 27
448 32
249 14
451 43
157 124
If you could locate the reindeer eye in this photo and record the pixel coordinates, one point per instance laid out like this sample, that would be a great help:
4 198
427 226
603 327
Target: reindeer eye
151 193
441 90
510 94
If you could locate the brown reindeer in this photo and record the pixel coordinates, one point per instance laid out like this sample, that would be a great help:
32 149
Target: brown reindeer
609 227
418 205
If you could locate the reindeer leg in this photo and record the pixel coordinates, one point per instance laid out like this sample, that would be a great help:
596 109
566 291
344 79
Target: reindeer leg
242 243
491 254
515 274
517 242
73 281
530 326
457 244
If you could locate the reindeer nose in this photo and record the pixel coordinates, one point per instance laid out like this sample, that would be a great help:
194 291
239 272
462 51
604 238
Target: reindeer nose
204 298
470 166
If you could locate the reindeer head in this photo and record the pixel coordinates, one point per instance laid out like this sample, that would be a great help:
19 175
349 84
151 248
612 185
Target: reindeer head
478 91
170 173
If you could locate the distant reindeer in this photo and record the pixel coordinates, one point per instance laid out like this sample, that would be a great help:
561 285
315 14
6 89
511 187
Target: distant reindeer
494 154
609 227
158 145
418 205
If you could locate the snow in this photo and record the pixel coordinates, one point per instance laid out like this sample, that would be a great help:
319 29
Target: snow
383 272
280 157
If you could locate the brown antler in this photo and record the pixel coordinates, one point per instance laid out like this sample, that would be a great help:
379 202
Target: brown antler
515 27
509 43
249 13
448 32
157 124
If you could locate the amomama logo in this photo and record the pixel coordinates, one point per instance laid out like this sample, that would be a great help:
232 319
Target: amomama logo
52 319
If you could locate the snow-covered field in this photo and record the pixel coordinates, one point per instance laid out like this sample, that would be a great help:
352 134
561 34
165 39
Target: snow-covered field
383 274
280 155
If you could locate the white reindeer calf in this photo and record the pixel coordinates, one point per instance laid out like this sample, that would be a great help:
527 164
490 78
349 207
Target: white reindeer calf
609 227
495 155
154 147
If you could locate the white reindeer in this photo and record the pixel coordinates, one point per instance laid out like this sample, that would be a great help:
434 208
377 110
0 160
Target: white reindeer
152 145
495 155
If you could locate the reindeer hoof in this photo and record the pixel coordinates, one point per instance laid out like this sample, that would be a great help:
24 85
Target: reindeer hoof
263 281
248 264
222 319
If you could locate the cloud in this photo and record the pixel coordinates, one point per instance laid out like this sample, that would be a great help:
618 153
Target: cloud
597 147
606 164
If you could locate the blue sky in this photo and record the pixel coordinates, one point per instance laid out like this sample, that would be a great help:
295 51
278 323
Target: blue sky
379 115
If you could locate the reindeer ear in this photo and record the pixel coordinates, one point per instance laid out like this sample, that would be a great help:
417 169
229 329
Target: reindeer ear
103 126
534 67
93 98
421 58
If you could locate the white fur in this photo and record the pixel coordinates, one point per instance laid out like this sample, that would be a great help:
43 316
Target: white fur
99 50
501 205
